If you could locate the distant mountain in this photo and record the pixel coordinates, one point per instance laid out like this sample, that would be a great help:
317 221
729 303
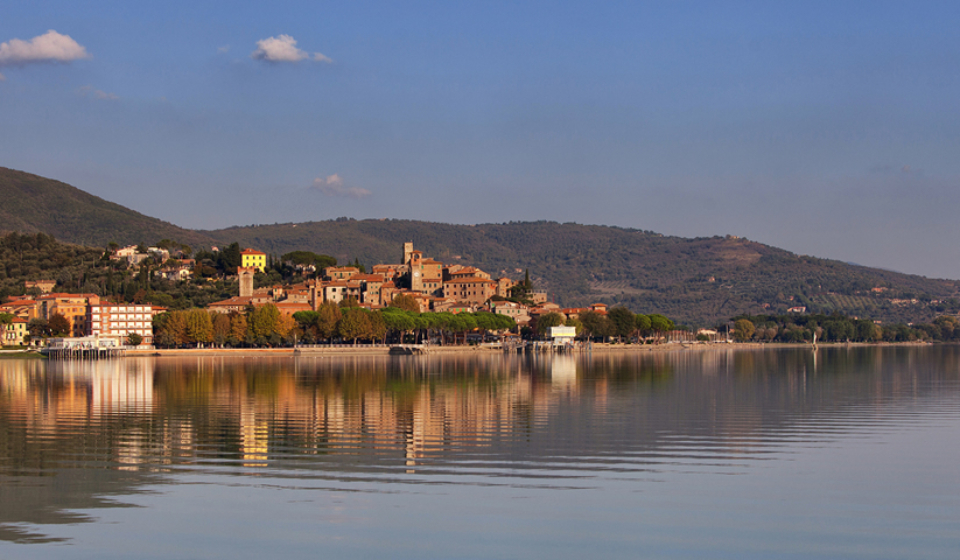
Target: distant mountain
30 203
700 281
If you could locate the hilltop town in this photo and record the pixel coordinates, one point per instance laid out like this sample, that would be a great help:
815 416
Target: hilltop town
416 283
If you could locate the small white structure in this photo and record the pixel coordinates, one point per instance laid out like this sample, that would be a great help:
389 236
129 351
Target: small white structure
562 335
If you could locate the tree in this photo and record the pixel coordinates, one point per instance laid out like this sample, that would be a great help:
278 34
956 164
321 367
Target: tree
328 315
624 321
595 324
354 324
552 319
230 258
660 324
286 327
38 327
134 339
378 326
221 328
199 326
642 323
58 325
238 328
263 322
399 320
743 330
405 302
349 301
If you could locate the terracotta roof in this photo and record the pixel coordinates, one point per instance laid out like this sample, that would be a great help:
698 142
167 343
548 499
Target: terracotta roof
471 281
367 277
251 252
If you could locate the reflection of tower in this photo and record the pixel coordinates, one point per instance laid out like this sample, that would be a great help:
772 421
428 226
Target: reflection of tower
246 280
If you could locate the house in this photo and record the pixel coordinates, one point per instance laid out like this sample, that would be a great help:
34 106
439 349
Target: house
238 304
473 290
518 311
14 332
25 308
45 286
339 273
337 291
251 258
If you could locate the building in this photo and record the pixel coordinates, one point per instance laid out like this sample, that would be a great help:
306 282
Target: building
45 286
71 306
14 332
339 273
106 320
245 275
251 258
23 308
473 290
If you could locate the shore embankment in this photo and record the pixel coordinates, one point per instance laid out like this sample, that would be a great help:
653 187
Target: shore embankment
366 350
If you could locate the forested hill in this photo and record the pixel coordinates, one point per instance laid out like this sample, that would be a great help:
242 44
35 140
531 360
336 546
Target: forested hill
31 204
700 280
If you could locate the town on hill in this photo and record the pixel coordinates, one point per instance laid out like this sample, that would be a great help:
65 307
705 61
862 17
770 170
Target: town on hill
169 295
417 293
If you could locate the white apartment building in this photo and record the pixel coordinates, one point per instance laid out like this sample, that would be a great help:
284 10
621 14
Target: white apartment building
111 319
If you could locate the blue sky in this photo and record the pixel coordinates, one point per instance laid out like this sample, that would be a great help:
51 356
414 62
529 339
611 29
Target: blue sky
828 129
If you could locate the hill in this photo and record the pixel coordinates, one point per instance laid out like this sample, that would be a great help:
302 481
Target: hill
34 204
699 281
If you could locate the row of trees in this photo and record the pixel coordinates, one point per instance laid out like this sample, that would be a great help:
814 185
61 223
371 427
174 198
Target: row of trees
267 326
618 322
839 328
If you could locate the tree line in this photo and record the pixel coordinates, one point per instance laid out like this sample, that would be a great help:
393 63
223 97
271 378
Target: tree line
618 322
839 328
266 326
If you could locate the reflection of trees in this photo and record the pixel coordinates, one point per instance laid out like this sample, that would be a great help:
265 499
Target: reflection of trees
375 415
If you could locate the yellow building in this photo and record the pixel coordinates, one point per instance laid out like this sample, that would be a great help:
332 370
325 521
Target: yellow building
251 258
14 332
71 306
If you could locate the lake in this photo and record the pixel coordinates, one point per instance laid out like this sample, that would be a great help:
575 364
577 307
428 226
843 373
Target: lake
723 453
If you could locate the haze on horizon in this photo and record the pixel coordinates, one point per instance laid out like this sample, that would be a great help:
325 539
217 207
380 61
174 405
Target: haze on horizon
824 128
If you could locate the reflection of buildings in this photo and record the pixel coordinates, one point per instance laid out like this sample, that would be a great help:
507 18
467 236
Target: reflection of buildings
407 412
563 372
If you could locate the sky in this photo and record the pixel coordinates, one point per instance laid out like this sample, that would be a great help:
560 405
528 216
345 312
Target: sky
826 128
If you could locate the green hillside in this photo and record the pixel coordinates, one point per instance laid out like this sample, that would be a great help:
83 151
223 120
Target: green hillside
34 204
699 281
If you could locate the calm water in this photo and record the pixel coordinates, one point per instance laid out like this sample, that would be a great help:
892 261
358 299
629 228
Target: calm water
843 453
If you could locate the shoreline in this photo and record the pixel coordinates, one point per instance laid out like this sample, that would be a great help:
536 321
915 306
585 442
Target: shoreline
432 350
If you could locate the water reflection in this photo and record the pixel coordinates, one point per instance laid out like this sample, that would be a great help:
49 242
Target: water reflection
81 435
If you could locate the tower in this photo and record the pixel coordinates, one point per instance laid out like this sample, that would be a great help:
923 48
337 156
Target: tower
407 252
246 280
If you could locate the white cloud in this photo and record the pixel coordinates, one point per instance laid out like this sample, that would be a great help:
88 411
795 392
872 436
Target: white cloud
332 185
49 47
223 49
283 48
99 94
